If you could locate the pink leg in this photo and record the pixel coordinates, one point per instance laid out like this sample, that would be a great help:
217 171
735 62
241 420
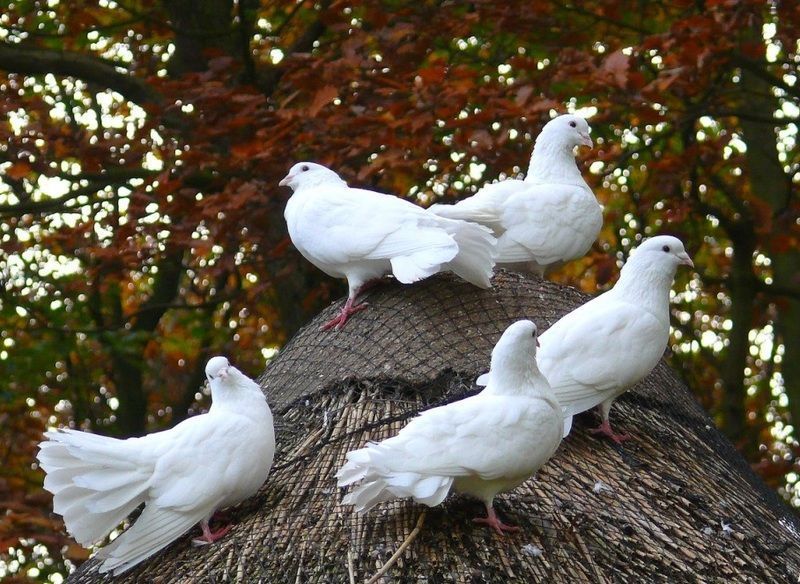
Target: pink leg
348 310
494 522
350 307
606 430
210 536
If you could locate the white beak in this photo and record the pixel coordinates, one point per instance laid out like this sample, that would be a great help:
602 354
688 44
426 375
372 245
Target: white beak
286 180
223 373
586 140
686 260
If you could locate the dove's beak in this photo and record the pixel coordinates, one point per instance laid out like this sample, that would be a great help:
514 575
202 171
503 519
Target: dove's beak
538 344
285 180
686 260
586 140
223 373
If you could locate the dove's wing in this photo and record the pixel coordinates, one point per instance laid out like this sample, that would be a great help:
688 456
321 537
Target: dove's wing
345 225
552 223
485 206
598 351
462 438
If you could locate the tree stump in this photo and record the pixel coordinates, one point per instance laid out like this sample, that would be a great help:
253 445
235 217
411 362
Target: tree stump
675 504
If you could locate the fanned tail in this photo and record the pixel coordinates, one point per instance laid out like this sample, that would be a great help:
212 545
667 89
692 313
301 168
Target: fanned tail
94 487
381 484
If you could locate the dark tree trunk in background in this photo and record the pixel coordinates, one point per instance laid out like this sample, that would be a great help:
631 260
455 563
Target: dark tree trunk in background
771 184
676 504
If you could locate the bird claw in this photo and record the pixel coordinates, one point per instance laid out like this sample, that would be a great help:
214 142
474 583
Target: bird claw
606 430
339 320
209 536
494 522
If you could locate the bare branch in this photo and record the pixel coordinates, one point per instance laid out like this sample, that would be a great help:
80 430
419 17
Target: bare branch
27 60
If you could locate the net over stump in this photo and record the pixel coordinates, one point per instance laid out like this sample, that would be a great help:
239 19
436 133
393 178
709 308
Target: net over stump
675 504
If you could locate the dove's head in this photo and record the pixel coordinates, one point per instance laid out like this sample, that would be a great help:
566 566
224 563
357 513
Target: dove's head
567 130
217 368
309 174
229 386
517 344
513 368
662 250
652 266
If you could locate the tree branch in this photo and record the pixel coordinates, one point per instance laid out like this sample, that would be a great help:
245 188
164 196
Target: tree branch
758 70
35 61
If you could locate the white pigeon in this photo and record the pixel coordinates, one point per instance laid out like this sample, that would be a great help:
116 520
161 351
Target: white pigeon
481 445
600 349
548 218
182 475
362 236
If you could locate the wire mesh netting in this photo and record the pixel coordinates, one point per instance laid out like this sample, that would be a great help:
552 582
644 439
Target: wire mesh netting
675 504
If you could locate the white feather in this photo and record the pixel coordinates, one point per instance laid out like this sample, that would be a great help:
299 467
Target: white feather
547 219
362 235
600 349
480 445
182 475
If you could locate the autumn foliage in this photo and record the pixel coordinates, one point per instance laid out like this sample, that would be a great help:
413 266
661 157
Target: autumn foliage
141 221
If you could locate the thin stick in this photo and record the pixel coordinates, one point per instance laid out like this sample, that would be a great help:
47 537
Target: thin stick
350 567
400 550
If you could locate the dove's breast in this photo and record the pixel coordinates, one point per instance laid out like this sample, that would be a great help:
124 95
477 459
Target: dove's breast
518 449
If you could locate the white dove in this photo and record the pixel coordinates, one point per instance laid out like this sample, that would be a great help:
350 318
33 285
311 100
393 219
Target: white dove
182 475
481 445
600 349
362 236
548 218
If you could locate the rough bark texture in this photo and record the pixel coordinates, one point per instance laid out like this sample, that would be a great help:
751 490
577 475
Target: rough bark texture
676 504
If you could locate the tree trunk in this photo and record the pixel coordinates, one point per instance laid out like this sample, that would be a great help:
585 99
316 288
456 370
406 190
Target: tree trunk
742 295
770 183
676 504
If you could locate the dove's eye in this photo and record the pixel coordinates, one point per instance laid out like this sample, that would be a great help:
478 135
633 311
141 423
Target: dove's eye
573 125
304 167
665 248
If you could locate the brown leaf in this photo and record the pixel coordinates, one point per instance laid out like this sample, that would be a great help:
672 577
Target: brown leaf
19 170
322 98
523 94
616 67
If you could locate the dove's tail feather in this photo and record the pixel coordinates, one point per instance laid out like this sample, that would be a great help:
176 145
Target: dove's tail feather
94 488
418 253
155 528
381 484
428 490
355 468
476 248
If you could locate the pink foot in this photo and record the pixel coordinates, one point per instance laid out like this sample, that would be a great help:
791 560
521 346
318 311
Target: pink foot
351 306
606 430
494 522
209 536
347 310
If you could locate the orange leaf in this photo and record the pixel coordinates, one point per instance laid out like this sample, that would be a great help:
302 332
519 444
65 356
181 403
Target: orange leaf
18 170
322 98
